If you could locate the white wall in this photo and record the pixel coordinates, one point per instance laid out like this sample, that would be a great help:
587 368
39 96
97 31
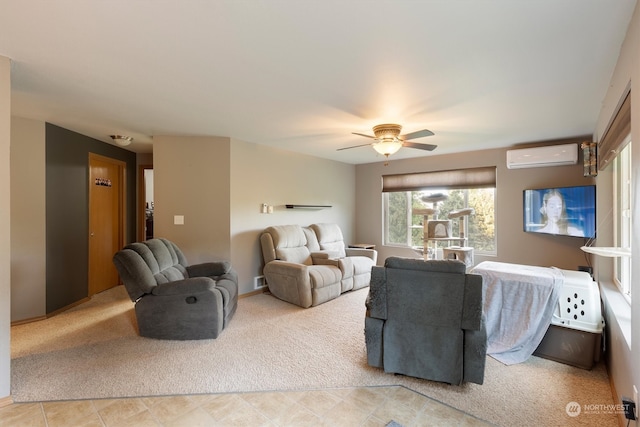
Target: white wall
5 230
261 174
622 355
28 221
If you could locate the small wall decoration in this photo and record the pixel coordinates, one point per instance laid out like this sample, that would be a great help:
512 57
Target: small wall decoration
590 158
103 182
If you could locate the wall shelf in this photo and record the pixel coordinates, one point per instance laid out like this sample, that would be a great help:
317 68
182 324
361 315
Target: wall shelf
291 206
611 252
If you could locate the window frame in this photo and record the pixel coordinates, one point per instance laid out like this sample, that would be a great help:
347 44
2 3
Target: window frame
622 220
409 217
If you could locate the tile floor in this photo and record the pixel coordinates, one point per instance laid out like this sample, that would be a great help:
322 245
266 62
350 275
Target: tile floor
361 406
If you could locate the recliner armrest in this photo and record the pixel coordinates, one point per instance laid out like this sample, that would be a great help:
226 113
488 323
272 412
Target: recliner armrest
376 302
323 255
325 258
216 268
369 253
289 269
473 303
184 287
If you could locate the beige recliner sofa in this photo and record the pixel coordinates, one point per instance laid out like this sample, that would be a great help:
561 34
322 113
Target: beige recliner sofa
308 266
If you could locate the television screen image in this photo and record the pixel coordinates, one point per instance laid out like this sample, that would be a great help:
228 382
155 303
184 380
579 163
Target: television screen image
562 211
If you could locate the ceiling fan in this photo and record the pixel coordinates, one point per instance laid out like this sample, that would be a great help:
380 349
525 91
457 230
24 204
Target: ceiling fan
387 139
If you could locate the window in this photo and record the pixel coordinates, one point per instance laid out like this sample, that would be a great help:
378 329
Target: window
466 188
622 218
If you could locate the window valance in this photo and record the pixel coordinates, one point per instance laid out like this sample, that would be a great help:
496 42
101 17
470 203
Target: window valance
483 177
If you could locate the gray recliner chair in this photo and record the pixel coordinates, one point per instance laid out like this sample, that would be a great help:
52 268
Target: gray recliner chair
174 300
424 319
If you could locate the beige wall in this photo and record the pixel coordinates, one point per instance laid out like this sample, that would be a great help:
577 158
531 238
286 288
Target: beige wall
260 174
192 179
622 355
219 184
513 244
5 229
28 222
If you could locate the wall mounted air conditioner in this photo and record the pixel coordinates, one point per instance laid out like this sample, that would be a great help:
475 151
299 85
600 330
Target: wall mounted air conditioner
537 157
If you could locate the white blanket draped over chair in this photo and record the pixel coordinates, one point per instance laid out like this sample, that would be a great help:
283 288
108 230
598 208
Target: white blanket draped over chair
519 301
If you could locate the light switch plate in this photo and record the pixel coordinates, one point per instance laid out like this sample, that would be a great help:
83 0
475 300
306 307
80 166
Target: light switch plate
178 219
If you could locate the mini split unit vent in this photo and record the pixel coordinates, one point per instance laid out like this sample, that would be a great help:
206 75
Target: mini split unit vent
537 157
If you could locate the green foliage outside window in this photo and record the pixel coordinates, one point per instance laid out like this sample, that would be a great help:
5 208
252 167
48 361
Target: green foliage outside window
481 224
397 218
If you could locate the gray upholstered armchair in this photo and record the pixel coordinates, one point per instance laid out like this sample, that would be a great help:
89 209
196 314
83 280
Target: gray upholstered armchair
424 319
174 300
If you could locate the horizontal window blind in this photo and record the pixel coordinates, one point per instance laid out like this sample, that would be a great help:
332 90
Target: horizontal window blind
483 177
615 137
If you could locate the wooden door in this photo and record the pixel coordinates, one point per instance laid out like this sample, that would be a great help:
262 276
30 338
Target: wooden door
106 220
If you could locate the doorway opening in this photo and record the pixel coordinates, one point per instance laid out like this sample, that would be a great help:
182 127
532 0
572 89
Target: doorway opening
145 202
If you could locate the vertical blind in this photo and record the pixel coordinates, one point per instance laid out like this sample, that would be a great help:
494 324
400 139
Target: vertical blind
483 177
616 135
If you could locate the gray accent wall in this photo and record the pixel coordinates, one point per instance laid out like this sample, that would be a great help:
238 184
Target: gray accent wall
67 206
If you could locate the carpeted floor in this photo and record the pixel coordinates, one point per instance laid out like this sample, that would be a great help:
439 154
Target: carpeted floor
93 351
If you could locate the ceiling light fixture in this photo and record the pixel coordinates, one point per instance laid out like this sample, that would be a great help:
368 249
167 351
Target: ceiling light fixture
121 140
387 146
388 141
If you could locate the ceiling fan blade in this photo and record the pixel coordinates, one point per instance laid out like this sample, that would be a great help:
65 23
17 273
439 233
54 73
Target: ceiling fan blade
417 134
353 146
428 147
362 134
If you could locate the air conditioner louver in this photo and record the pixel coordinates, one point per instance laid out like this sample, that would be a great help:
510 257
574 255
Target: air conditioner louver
537 157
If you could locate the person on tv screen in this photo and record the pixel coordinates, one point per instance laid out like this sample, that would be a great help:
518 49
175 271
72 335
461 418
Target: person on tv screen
554 211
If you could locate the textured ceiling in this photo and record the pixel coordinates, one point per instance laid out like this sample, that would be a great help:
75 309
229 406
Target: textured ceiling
302 75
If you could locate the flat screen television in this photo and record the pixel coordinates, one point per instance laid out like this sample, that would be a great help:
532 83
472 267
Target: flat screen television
561 211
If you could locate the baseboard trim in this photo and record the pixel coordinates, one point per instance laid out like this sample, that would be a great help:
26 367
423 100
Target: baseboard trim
622 422
6 401
67 307
29 320
256 292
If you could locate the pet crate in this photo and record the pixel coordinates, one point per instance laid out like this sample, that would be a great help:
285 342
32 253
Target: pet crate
575 334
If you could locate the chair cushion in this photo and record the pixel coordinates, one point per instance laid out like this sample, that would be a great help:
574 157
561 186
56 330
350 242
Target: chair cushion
312 239
162 259
290 242
330 238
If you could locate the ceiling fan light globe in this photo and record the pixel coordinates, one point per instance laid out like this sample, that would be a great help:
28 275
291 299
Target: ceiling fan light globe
387 148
